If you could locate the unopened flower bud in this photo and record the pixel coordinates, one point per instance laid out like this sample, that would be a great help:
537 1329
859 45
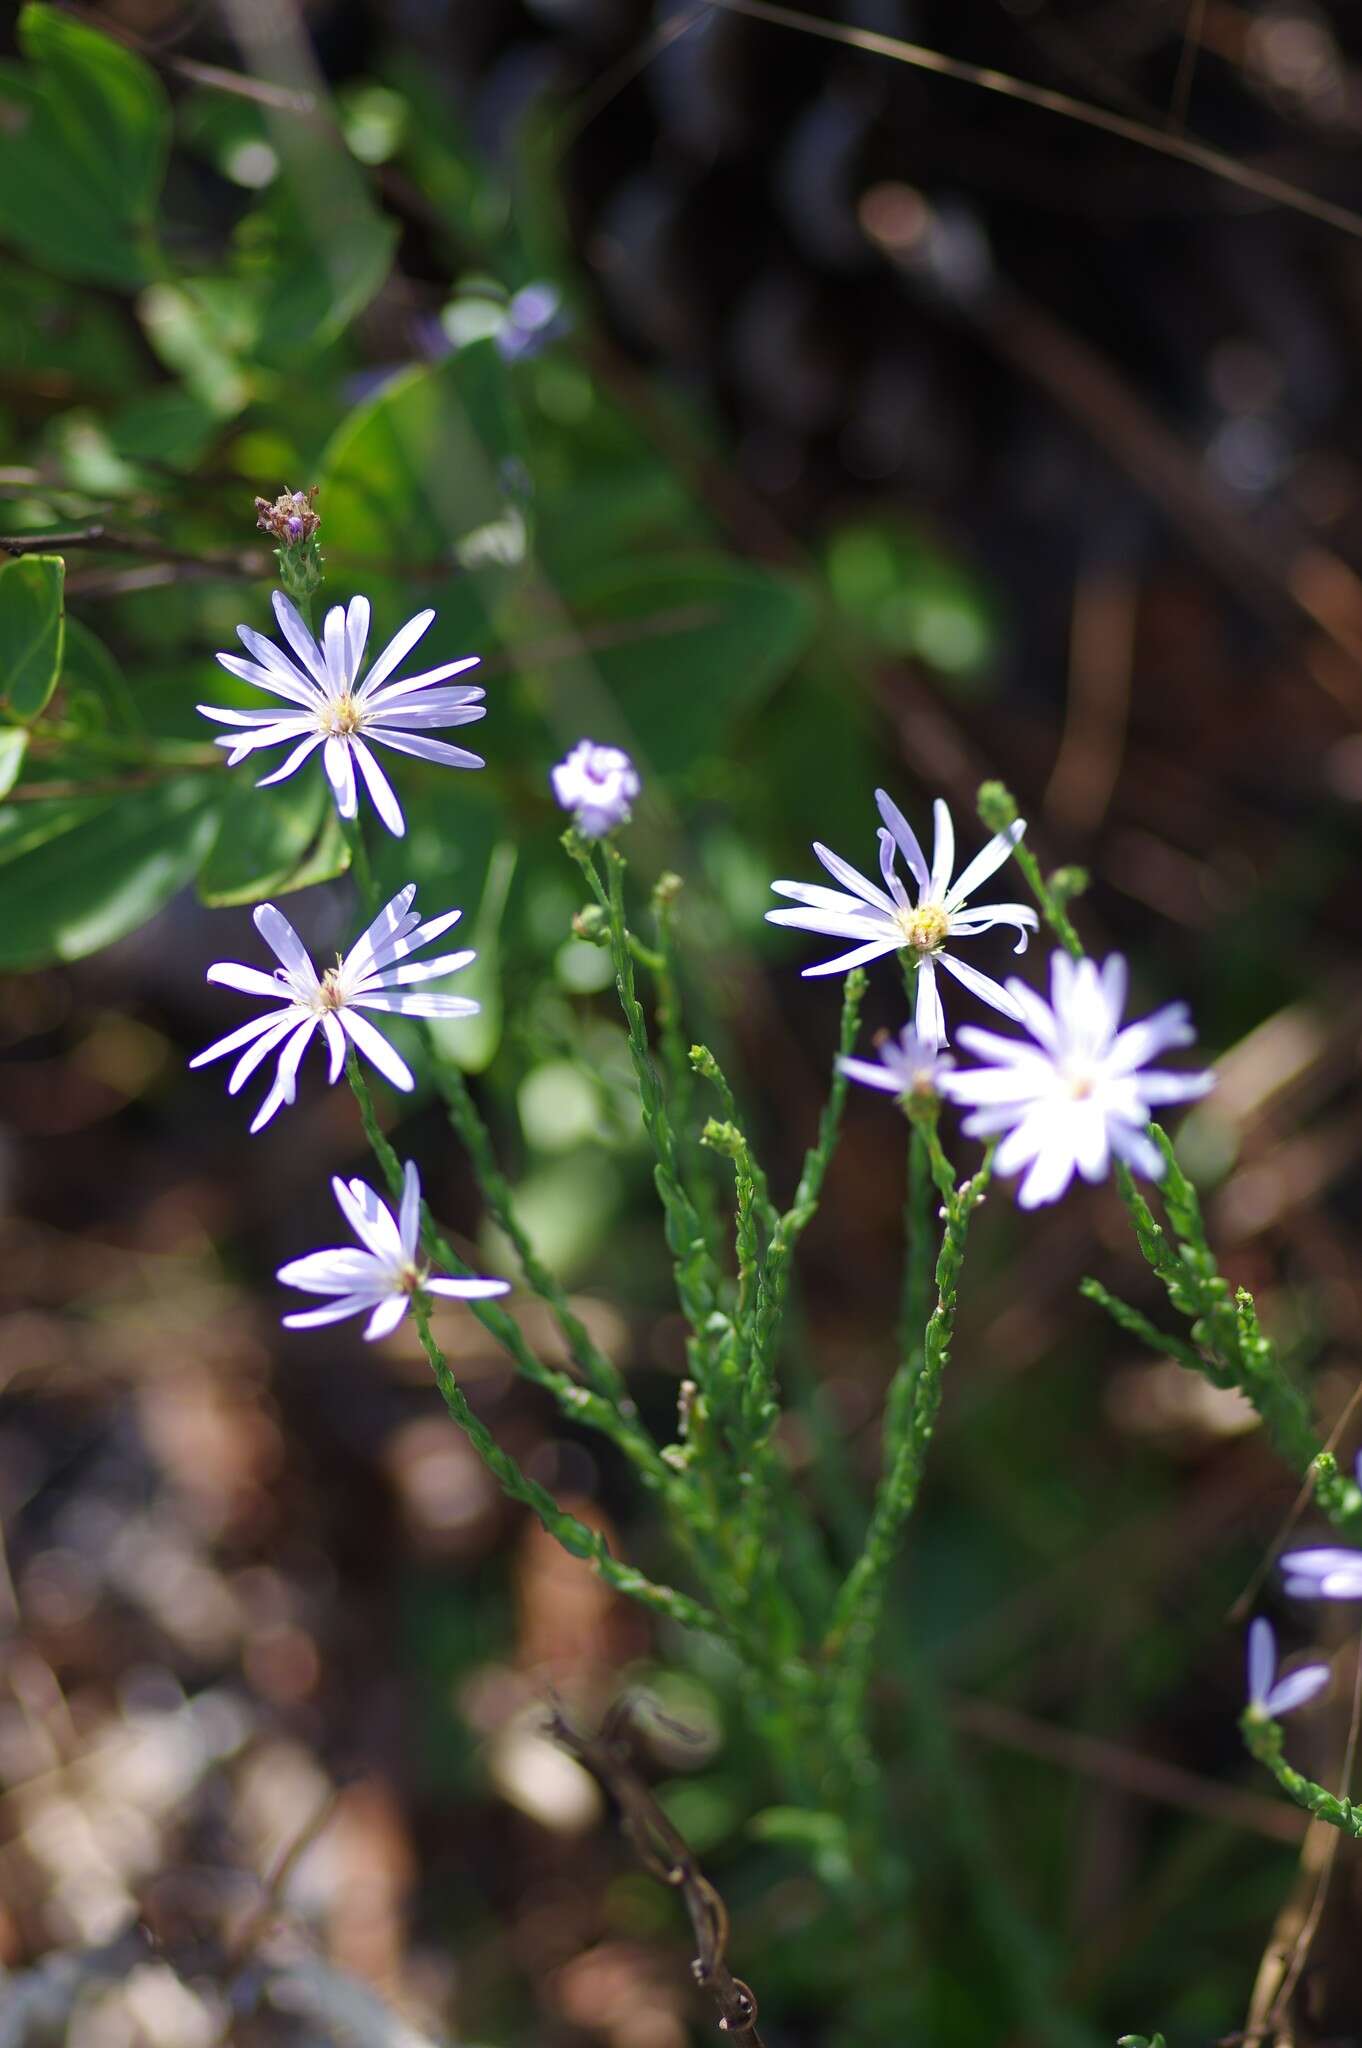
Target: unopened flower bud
292 519
592 924
997 806
1066 883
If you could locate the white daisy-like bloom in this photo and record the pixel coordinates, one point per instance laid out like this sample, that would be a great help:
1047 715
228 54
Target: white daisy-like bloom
330 707
376 974
1269 1695
906 1066
382 1277
885 920
598 785
1075 1092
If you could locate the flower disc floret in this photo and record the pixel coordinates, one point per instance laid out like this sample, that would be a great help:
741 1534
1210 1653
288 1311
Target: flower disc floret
885 919
333 704
377 973
1076 1091
382 1277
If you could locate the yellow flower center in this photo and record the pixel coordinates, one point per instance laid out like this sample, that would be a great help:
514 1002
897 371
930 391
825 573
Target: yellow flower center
925 928
332 995
342 716
411 1277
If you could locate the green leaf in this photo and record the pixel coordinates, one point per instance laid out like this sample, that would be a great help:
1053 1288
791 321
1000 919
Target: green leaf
31 631
270 840
711 639
314 265
79 872
13 747
84 129
80 346
418 466
95 692
200 328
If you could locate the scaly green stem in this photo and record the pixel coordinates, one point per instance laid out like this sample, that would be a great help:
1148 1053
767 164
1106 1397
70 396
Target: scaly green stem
856 1615
1263 1740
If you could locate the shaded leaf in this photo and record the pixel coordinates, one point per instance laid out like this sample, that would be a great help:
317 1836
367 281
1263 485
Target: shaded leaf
711 639
31 631
270 840
84 129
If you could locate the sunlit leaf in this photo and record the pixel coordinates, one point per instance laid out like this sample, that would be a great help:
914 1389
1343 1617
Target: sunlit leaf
77 873
13 746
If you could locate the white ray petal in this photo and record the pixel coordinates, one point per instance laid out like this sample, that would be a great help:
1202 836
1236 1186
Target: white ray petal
376 1049
380 789
401 644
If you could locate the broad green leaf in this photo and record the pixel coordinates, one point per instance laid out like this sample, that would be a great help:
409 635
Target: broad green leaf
84 129
200 328
13 747
268 838
417 467
77 873
688 647
95 692
31 631
78 344
313 255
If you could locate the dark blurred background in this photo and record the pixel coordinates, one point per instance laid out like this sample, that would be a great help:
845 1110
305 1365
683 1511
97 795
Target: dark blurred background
1066 433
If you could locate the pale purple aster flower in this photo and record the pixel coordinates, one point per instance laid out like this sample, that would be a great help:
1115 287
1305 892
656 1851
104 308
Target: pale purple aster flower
1269 1695
534 317
383 1276
598 785
906 1066
1327 1572
376 974
330 707
884 920
1074 1092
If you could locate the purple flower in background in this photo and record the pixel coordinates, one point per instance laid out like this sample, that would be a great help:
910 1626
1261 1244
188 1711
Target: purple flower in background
598 785
1272 1696
906 1066
534 318
382 1277
331 708
884 920
376 974
1073 1093
1324 1573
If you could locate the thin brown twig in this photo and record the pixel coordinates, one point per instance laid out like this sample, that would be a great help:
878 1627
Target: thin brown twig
1305 1939
243 562
257 1923
1293 1514
612 81
1277 191
666 1855
1110 1763
239 84
1191 50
